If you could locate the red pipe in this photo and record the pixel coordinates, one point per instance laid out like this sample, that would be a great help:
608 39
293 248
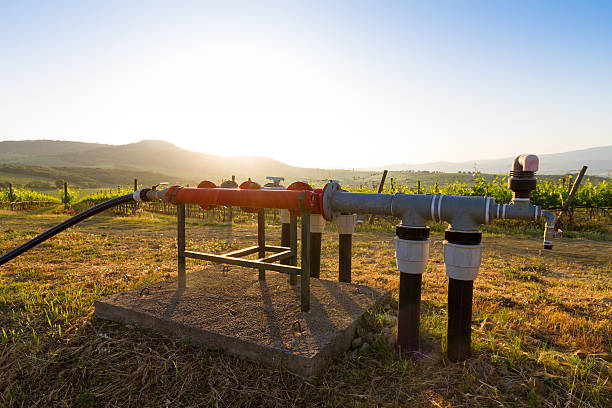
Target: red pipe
287 199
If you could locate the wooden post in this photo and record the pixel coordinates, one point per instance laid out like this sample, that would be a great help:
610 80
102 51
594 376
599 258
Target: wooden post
380 189
135 184
573 190
65 195
10 192
418 186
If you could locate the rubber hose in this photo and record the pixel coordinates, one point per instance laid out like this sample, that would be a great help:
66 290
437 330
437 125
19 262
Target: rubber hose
65 225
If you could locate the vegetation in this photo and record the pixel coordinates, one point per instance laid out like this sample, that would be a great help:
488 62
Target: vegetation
550 194
541 335
21 195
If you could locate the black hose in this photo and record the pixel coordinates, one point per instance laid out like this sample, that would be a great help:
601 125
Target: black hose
65 225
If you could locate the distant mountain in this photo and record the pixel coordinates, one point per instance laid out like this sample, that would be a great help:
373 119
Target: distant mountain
598 159
153 156
152 161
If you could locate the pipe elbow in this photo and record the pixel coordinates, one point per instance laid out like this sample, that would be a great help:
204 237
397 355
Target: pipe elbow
549 229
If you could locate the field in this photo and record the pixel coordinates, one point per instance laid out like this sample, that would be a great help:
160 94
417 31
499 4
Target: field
542 324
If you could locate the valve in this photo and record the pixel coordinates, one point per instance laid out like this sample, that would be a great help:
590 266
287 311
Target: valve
207 184
250 185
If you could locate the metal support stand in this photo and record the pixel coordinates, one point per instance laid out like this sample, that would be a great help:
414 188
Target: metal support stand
261 239
305 283
182 274
344 260
293 247
286 240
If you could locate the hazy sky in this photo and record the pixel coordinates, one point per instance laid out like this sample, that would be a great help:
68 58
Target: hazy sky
332 83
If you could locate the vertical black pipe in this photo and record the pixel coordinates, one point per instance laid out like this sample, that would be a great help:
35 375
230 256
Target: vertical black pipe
409 314
459 319
460 294
286 240
180 218
293 245
315 254
344 259
261 239
305 273
411 277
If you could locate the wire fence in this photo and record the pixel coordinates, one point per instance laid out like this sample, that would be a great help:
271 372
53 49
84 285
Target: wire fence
22 206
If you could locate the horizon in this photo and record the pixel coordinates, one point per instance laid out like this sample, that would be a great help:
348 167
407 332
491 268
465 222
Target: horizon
357 85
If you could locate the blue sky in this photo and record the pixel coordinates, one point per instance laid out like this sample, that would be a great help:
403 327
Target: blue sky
330 84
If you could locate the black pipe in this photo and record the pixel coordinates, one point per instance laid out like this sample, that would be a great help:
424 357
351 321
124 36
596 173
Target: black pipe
315 254
344 259
67 224
459 319
460 295
286 240
409 314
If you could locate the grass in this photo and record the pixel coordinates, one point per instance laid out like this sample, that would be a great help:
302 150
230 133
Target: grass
547 341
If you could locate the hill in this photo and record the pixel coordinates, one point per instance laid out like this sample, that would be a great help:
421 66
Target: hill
599 160
43 162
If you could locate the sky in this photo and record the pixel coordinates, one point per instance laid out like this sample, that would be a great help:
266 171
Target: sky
336 84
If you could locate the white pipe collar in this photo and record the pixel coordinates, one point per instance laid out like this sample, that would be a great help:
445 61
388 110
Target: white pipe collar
345 223
411 256
462 261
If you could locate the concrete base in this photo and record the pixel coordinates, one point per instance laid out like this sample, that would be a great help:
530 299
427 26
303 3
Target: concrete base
259 320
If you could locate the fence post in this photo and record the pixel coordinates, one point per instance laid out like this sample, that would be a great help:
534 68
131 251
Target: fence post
418 186
573 191
65 195
10 192
135 184
380 189
231 209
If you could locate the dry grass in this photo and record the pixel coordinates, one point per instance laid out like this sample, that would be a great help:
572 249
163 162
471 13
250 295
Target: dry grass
547 340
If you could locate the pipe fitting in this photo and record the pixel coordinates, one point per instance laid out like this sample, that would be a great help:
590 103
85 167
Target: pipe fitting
462 261
411 256
411 249
317 223
285 216
549 229
462 254
345 224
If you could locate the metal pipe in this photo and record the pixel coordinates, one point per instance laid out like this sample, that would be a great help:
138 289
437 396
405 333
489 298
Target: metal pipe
247 198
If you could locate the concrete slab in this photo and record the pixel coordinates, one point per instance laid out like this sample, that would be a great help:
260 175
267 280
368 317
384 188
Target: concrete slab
259 320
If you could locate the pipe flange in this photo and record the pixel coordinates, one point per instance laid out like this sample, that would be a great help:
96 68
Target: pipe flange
326 202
